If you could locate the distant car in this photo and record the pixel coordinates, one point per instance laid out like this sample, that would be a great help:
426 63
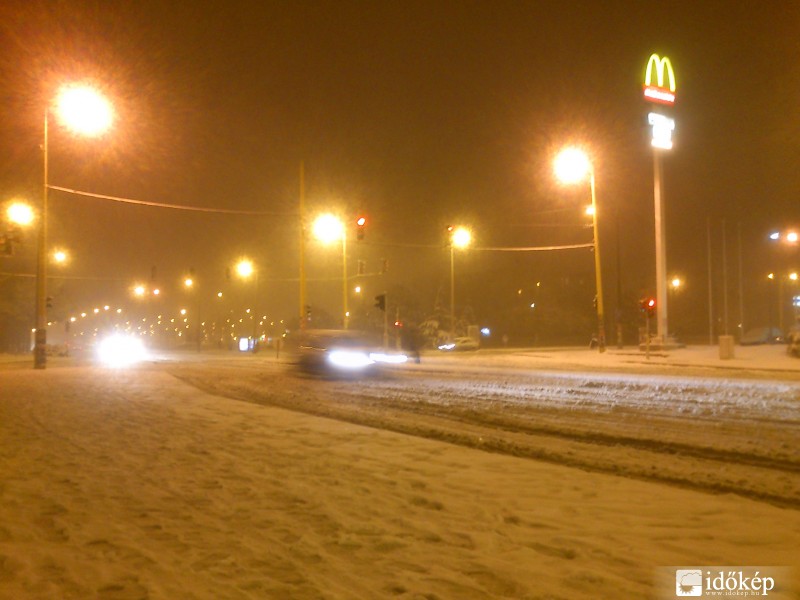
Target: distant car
341 352
762 335
459 344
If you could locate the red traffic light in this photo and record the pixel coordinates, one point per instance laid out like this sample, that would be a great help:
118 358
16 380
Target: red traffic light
651 303
361 221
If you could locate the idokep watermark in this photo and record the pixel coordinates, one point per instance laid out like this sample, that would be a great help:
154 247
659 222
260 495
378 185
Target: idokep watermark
723 581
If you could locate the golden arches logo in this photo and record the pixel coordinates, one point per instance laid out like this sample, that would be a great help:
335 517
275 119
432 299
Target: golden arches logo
664 94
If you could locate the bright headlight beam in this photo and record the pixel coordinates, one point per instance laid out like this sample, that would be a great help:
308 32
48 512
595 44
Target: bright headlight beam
392 359
348 359
121 351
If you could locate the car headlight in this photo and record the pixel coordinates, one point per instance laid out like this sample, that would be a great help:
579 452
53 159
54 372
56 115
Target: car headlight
121 350
349 359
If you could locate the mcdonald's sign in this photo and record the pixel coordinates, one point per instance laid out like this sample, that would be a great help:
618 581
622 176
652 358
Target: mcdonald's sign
663 89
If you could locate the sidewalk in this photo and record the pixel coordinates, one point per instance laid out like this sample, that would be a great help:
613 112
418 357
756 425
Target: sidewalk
749 361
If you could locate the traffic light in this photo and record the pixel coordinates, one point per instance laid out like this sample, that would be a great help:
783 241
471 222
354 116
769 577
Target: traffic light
360 222
380 302
648 306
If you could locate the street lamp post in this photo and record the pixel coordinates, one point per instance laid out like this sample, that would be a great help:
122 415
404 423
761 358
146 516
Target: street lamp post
245 269
84 111
328 228
572 165
460 237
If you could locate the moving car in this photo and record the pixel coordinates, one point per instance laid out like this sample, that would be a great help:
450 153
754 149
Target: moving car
459 344
341 352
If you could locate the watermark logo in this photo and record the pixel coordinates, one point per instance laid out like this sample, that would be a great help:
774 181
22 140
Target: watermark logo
688 583
725 582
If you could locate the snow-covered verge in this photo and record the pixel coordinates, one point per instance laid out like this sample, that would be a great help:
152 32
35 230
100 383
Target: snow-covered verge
132 484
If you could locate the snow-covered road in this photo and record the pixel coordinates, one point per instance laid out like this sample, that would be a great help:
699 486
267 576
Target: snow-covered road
133 485
715 434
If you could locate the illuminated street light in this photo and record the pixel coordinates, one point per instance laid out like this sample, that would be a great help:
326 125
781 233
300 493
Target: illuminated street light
20 213
139 291
460 237
81 110
188 282
676 283
572 166
246 269
327 228
60 256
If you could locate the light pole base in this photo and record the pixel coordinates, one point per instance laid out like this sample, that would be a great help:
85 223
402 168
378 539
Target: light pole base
40 349
658 342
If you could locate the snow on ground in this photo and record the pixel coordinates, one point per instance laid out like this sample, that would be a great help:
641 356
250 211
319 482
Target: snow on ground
134 485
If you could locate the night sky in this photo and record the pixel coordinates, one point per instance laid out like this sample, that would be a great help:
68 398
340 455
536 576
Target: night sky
418 115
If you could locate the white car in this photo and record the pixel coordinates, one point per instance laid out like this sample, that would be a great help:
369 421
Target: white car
459 344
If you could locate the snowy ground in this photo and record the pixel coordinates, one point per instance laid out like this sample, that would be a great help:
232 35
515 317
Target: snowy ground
137 484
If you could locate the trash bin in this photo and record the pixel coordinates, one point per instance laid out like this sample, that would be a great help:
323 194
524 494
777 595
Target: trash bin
725 347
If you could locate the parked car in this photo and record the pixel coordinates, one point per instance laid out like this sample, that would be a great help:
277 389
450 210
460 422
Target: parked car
762 335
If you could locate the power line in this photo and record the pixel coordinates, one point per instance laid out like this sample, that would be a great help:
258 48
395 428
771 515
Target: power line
229 211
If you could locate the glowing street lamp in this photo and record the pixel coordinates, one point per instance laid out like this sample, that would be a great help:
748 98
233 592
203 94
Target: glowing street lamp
246 269
460 237
328 229
572 166
81 110
60 257
20 214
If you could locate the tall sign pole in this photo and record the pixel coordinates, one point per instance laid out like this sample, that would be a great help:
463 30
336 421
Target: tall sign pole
302 219
659 88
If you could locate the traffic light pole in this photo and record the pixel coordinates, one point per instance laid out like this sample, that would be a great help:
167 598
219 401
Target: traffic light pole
385 323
